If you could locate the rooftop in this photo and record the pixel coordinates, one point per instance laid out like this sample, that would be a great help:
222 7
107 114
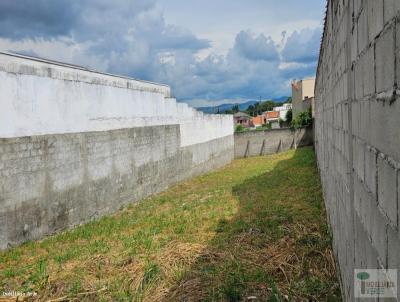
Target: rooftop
241 114
272 114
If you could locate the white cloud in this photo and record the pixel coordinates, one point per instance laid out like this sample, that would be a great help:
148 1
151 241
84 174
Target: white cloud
131 37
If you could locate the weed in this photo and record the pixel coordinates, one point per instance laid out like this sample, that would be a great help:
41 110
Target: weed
39 278
255 228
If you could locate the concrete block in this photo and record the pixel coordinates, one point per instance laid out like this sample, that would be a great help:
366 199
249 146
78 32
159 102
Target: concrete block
378 235
359 158
372 258
393 248
362 31
359 204
387 189
359 78
398 48
371 171
345 86
353 43
375 18
360 244
385 61
368 72
365 120
393 252
391 9
355 118
384 134
357 7
368 205
338 116
398 198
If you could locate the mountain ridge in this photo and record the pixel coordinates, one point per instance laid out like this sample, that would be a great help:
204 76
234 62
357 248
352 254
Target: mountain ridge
242 106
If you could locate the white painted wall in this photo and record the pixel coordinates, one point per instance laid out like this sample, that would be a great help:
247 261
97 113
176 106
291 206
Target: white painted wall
40 97
283 110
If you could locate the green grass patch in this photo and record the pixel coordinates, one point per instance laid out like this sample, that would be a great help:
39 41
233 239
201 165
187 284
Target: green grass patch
255 229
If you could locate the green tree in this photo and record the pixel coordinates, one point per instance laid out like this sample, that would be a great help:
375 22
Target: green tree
235 108
268 106
304 119
289 116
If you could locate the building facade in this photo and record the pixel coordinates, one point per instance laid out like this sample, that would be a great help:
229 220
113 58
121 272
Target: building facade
241 118
283 110
272 117
302 92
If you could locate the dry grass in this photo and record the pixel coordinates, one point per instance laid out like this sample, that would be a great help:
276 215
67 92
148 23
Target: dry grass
253 231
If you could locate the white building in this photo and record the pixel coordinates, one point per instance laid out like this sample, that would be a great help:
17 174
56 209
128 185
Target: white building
283 110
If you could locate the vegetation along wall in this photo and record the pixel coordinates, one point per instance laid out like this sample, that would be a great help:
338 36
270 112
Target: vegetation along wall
77 144
357 133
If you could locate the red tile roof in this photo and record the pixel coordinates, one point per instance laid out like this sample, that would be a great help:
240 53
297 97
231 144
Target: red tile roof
258 120
272 114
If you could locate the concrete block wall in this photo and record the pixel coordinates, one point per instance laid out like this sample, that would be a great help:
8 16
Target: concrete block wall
76 145
357 136
258 143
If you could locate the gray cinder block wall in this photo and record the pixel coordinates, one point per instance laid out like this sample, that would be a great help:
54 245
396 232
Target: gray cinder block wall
357 133
76 145
257 143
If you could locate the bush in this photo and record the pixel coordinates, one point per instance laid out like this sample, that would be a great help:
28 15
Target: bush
304 119
239 128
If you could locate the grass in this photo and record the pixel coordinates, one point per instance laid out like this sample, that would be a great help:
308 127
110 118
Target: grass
253 231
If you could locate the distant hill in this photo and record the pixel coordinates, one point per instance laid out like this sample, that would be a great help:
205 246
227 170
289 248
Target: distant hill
281 99
223 107
242 106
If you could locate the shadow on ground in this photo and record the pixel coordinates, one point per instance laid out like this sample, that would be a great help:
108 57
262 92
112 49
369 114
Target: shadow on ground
253 231
276 248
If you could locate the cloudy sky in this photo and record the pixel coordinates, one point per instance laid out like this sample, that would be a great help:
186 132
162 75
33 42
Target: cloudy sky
209 51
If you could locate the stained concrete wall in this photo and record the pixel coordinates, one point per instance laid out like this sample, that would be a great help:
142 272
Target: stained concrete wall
258 143
357 133
76 145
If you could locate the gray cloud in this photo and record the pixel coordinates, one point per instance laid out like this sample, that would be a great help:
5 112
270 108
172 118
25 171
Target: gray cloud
131 37
36 19
302 46
256 48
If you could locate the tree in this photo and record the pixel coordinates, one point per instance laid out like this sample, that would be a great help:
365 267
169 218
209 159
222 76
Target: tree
235 108
289 116
304 119
250 110
268 106
289 100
